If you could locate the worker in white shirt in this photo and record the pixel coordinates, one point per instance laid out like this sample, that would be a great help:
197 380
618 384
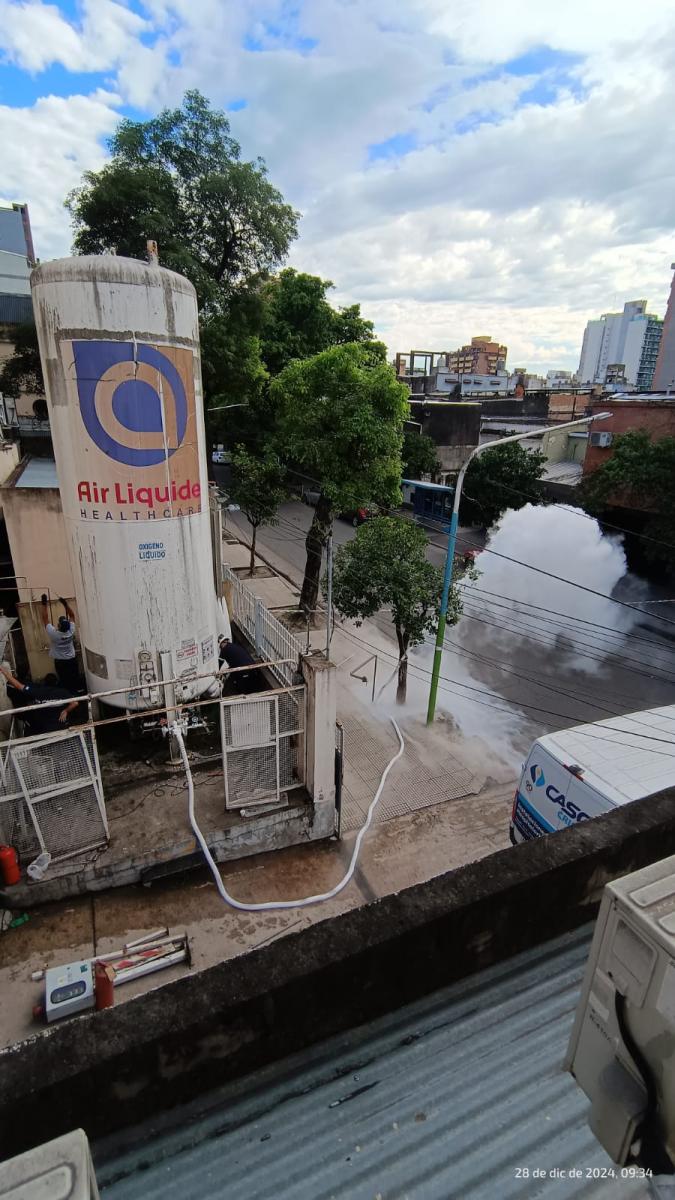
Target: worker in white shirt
62 644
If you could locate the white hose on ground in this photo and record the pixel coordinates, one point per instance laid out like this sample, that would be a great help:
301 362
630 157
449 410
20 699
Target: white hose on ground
269 905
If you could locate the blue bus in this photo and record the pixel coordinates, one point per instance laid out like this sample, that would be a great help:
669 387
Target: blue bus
432 503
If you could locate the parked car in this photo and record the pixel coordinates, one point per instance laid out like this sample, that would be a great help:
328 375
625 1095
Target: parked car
309 496
356 516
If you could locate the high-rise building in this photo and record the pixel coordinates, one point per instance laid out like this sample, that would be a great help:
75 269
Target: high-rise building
16 259
630 338
664 372
481 357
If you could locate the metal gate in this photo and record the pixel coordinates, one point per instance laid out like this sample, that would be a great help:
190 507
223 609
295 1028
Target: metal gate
51 796
263 739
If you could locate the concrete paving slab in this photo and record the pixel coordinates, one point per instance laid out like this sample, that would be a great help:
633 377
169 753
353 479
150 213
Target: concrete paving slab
54 934
273 591
235 554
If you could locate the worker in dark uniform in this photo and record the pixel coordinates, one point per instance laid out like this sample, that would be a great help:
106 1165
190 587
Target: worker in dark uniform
42 720
62 644
231 654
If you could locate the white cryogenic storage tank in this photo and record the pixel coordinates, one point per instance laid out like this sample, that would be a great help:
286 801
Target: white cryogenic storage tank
119 342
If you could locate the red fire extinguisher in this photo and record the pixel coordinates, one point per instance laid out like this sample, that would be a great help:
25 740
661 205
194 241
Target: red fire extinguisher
9 865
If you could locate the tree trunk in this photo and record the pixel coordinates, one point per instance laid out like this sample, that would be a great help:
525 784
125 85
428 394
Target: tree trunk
254 534
402 685
315 542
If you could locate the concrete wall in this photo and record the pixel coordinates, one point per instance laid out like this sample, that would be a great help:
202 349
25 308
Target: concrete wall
453 426
657 417
35 638
37 539
107 1070
534 404
558 446
321 713
10 456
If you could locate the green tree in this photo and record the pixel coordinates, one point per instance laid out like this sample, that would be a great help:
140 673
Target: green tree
501 477
419 456
257 486
385 566
340 418
639 475
298 321
179 178
22 373
233 374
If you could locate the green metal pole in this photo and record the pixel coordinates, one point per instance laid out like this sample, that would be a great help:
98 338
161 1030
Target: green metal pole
440 632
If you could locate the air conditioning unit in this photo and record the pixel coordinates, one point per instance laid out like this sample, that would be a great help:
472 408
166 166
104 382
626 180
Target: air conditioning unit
602 440
62 1168
622 1048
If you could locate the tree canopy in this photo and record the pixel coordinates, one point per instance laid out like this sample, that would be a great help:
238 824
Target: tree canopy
419 456
499 478
340 420
640 475
297 320
257 486
22 373
385 566
179 178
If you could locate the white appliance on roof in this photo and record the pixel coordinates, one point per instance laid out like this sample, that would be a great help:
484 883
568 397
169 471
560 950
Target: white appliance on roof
622 1048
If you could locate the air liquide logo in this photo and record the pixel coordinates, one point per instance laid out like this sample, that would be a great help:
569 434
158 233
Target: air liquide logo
132 401
137 457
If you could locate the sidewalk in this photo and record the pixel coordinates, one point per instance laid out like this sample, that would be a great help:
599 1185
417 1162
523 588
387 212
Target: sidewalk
439 765
446 803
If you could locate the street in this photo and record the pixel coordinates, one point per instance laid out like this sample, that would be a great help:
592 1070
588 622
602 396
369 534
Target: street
532 652
287 539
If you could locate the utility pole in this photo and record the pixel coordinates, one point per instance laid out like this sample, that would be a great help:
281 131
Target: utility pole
329 592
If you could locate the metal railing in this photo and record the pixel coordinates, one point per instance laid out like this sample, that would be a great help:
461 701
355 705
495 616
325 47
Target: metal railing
264 631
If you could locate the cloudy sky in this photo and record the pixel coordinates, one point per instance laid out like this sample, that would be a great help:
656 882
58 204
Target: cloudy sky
462 166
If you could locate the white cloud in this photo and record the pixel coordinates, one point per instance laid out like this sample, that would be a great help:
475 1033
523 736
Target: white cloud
46 148
556 206
34 35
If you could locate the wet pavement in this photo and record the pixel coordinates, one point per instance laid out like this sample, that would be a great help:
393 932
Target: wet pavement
445 804
395 854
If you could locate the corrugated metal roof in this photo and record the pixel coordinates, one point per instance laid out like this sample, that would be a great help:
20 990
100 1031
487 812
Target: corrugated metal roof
38 473
15 310
445 1098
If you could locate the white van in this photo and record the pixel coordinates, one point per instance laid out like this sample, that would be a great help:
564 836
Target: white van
588 770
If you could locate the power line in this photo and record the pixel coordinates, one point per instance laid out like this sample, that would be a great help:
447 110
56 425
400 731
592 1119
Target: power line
602 642
514 703
558 578
536 636
580 513
567 616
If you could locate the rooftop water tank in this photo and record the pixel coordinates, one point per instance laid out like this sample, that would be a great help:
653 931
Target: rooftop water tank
119 342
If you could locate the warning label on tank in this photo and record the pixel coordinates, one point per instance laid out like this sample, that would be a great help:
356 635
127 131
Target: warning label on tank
135 446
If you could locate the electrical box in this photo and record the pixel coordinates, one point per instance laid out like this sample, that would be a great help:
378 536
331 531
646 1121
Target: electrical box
628 996
68 990
60 1170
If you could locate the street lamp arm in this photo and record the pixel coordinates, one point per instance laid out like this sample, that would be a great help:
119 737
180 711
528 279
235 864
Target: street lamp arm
452 537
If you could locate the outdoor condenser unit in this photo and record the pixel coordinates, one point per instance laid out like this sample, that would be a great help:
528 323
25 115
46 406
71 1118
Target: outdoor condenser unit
602 440
60 1170
622 1048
